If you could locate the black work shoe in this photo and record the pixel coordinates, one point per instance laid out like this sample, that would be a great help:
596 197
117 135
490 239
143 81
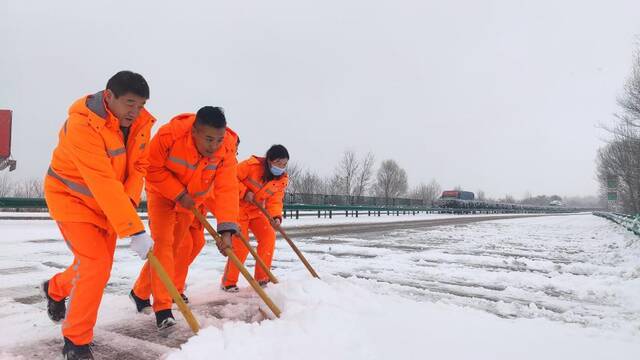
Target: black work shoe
71 351
55 309
143 306
184 298
165 319
263 283
230 288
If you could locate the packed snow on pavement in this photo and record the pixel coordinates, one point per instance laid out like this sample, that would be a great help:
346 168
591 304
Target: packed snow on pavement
557 287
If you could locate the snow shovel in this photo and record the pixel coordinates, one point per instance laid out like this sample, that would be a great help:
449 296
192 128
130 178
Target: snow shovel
286 237
168 283
229 252
255 255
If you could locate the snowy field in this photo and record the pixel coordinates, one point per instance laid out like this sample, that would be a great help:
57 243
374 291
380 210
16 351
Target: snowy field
558 287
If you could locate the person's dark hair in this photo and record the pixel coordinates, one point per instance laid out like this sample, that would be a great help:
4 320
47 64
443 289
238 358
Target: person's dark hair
211 116
128 82
274 152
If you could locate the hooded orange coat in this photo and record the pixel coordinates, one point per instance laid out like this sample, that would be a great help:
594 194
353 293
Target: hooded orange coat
271 196
94 177
177 168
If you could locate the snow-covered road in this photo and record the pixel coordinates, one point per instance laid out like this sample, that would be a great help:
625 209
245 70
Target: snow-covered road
560 287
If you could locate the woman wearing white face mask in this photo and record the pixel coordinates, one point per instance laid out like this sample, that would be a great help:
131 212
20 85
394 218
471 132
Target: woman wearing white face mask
262 180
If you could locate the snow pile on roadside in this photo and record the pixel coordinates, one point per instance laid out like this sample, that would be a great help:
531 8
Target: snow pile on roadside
342 319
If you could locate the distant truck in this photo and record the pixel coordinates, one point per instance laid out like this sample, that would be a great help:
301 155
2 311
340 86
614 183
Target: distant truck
457 194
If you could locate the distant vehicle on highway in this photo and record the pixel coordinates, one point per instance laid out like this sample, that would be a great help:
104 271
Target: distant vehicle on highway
457 194
555 203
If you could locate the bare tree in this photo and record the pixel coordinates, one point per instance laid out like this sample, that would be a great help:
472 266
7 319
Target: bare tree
428 193
333 185
6 186
629 101
391 180
304 181
30 188
621 159
481 196
294 172
364 175
508 198
346 173
310 183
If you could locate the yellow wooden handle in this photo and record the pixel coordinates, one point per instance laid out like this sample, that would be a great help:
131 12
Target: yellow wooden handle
255 255
231 255
175 295
288 239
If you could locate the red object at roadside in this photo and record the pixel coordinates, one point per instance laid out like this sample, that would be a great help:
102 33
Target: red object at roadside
5 133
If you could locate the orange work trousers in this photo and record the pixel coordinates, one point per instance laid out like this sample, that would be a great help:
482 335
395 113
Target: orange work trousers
84 281
266 237
177 241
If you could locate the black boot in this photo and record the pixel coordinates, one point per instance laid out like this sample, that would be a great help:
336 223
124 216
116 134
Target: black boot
71 351
263 283
165 319
184 298
55 309
141 304
230 288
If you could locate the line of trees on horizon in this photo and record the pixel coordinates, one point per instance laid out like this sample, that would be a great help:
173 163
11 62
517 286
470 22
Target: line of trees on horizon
355 176
352 176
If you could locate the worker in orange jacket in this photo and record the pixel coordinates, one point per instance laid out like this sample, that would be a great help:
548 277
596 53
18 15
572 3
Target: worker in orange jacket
192 165
262 180
92 189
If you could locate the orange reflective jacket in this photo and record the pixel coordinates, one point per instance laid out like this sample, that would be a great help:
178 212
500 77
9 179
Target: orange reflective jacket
176 167
271 194
94 176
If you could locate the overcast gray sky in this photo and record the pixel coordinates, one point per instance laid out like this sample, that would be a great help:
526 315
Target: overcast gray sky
503 96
